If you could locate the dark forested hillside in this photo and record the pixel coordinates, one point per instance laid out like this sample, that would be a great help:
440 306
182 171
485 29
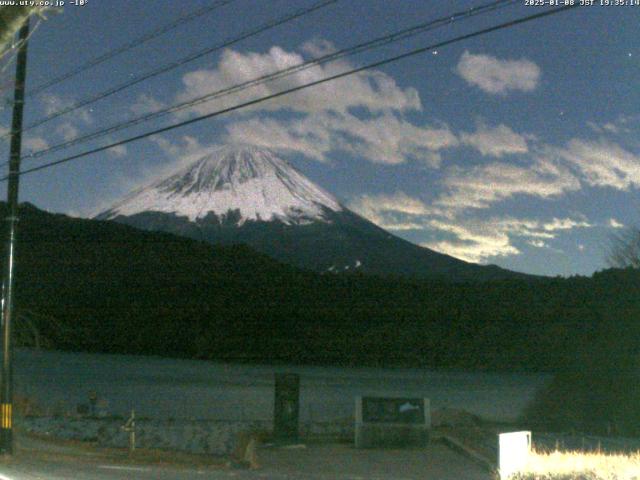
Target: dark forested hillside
102 286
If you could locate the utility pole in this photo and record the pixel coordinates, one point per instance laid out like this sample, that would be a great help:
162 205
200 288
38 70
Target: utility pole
6 372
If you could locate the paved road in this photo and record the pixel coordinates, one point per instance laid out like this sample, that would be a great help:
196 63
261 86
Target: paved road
312 462
41 470
344 462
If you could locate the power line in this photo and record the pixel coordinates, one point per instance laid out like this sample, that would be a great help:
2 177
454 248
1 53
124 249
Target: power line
128 46
12 45
15 48
375 43
171 66
288 91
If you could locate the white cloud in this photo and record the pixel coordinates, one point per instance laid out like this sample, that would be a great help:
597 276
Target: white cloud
84 115
145 103
183 152
65 128
473 243
471 239
495 142
67 131
324 119
391 211
565 224
621 125
550 172
602 163
311 136
52 104
478 250
373 90
595 127
318 47
118 151
387 139
497 76
382 139
396 202
477 240
34 143
539 229
537 243
613 223
481 186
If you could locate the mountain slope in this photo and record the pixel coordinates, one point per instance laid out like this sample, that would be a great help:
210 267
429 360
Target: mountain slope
248 195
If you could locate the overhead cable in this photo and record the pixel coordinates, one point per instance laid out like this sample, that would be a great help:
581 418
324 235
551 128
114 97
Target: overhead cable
333 56
291 90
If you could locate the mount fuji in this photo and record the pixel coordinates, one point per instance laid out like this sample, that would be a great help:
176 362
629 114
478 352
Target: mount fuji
244 194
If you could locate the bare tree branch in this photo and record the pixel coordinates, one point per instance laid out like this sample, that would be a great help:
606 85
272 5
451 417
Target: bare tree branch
625 249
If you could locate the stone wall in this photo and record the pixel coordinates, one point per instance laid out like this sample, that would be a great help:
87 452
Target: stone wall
194 436
211 437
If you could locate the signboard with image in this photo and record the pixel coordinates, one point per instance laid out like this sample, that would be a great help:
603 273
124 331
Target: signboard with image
393 410
392 421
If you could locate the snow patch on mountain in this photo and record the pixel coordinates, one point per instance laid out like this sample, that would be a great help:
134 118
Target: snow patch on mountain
256 182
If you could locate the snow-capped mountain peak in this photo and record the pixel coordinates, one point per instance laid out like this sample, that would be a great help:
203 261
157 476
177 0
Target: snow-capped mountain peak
256 182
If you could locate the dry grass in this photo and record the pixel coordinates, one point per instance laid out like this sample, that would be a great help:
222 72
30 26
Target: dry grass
581 466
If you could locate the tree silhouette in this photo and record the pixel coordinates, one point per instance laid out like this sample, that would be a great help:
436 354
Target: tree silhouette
625 249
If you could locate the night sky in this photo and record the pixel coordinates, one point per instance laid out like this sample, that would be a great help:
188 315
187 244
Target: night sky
518 148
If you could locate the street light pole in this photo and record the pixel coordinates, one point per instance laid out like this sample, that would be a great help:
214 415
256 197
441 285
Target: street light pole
6 377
